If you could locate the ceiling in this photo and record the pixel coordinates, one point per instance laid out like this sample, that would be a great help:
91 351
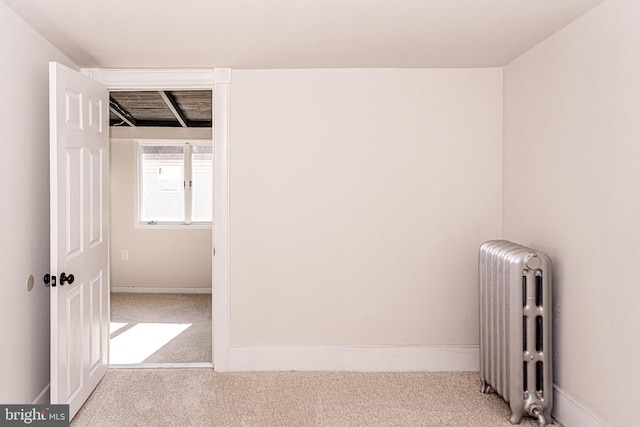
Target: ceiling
161 108
296 33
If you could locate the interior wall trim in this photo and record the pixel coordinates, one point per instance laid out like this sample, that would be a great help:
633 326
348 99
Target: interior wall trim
360 359
568 412
218 80
43 397
158 290
126 79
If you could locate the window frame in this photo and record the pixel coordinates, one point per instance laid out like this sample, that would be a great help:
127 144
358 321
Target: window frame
188 175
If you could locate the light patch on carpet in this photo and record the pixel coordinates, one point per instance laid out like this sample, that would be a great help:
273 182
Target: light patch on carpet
139 342
115 326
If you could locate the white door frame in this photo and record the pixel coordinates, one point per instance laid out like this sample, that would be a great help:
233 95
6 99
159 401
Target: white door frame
218 80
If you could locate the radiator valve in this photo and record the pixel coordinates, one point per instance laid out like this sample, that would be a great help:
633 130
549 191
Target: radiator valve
535 411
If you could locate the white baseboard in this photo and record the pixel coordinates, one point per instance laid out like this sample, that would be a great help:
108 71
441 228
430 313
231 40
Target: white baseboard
157 290
363 359
570 413
43 397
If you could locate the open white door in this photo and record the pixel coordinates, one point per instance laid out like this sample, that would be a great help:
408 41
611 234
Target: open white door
79 168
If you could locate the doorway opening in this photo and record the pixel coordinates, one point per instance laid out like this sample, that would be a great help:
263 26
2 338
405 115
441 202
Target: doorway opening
161 211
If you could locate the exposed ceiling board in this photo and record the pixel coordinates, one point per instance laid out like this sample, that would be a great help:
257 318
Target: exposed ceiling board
143 105
296 33
147 108
196 105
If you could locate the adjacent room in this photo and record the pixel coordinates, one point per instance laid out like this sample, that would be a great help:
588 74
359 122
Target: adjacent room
361 154
160 227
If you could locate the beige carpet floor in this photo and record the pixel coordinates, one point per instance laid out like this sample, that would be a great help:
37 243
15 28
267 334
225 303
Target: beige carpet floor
202 397
154 319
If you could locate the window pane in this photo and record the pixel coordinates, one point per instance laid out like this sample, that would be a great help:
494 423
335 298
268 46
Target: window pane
202 176
161 179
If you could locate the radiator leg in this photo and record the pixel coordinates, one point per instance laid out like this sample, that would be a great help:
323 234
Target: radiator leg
486 388
515 418
518 412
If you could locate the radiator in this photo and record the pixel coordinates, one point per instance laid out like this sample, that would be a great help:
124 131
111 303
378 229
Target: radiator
515 328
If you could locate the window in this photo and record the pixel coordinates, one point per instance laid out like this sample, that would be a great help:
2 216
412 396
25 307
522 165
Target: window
175 183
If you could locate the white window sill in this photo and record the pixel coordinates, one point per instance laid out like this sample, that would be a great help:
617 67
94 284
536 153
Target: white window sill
169 226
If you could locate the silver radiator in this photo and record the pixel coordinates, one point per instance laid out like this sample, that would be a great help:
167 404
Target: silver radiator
515 328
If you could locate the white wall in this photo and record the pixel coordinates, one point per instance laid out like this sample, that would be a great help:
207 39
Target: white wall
359 199
24 217
158 258
571 172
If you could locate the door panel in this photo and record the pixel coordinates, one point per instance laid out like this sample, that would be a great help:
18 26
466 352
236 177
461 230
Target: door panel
95 114
73 209
95 317
72 109
96 175
79 153
74 349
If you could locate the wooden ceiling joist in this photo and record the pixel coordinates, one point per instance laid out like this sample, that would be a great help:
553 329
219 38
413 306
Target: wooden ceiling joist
175 109
160 108
121 113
